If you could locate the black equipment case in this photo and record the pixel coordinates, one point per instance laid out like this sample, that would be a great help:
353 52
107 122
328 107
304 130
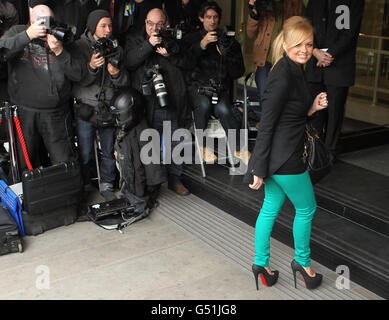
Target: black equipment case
10 240
51 197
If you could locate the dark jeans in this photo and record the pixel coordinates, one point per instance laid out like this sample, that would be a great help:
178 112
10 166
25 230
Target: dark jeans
260 76
86 135
160 115
203 109
53 129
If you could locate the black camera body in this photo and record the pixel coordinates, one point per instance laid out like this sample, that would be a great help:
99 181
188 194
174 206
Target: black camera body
62 32
172 33
212 90
169 37
107 47
225 38
154 80
65 34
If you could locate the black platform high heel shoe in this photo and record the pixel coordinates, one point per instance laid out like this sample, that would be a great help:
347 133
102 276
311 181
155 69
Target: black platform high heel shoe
310 282
267 279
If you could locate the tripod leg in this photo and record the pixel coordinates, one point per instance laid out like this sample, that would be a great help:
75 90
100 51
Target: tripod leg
12 146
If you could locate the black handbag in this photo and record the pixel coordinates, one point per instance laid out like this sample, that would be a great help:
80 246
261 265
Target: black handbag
316 155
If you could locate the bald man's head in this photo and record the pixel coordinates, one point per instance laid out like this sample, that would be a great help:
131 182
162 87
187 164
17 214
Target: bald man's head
155 20
40 11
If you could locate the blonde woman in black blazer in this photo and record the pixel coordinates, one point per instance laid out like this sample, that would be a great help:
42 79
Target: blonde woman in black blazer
277 158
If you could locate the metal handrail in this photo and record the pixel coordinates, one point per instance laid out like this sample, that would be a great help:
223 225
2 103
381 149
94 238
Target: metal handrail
373 36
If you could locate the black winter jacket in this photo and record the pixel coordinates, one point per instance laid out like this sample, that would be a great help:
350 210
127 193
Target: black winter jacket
210 64
37 79
89 88
140 54
134 174
341 43
285 105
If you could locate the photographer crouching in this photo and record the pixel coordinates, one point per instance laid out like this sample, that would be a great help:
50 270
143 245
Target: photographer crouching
41 67
157 60
219 61
105 74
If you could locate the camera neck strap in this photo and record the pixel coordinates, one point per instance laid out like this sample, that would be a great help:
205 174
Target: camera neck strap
101 96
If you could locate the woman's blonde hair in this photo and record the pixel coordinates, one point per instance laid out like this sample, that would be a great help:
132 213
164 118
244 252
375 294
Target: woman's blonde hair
295 30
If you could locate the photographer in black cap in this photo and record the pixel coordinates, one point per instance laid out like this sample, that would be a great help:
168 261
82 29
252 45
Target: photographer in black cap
219 61
40 70
105 74
153 56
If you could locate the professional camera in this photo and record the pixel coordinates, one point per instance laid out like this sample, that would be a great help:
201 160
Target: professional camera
107 47
212 90
154 79
169 37
225 38
62 32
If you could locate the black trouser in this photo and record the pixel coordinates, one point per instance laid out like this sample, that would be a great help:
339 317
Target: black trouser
52 128
203 109
330 119
174 170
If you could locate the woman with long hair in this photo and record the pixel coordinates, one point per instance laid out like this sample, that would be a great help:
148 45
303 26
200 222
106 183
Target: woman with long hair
277 157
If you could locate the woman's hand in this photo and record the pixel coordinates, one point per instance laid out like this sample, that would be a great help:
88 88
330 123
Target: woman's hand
319 103
257 183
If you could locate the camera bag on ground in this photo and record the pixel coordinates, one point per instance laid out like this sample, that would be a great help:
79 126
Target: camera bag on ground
119 213
11 201
51 197
10 239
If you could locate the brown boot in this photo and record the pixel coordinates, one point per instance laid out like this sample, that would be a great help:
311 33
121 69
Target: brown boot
180 190
208 155
243 154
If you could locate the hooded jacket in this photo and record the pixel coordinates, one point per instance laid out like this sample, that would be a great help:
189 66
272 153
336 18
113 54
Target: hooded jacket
37 79
88 89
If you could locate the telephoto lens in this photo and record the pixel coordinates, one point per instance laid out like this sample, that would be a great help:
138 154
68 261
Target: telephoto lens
160 89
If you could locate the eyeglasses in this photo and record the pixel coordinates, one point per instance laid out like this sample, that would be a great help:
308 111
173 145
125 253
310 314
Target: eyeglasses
152 24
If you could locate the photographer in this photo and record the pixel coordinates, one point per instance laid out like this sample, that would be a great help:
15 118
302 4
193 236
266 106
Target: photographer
219 61
105 73
8 17
40 71
148 52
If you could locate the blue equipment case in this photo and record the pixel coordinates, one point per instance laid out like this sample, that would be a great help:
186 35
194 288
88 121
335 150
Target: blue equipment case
11 201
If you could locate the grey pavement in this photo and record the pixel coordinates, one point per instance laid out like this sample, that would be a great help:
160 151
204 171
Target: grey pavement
186 249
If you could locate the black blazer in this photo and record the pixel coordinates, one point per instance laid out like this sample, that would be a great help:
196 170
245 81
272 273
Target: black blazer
285 104
341 43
